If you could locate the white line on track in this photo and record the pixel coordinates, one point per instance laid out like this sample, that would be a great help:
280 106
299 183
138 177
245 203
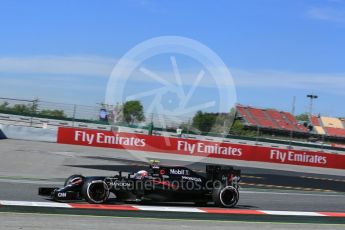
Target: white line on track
291 213
292 193
37 182
167 209
34 204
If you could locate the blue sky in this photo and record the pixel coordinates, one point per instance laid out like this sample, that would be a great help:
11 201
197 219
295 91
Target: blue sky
64 51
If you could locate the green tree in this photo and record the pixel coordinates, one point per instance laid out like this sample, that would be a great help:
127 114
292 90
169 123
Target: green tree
204 121
302 117
53 113
4 106
133 111
213 122
22 109
34 106
237 127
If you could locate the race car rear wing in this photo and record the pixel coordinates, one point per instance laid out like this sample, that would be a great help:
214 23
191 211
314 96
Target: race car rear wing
221 173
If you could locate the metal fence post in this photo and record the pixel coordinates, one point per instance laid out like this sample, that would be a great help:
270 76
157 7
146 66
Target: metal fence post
74 112
32 116
33 110
188 125
257 133
291 138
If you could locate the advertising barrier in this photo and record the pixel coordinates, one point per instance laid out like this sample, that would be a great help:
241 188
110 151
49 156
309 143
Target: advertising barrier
181 146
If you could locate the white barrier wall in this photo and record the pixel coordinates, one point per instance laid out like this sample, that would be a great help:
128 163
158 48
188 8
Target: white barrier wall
28 133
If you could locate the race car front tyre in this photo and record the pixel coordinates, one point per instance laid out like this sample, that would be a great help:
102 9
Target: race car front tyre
226 197
95 191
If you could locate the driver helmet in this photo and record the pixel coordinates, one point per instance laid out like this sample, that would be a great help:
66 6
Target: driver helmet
141 174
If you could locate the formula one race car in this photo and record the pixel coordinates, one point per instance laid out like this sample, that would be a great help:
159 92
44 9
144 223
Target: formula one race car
158 184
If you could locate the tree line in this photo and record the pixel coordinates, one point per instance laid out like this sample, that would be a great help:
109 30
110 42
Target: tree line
133 112
30 109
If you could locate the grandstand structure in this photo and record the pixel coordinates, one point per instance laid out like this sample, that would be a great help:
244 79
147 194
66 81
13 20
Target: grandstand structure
272 119
269 119
330 126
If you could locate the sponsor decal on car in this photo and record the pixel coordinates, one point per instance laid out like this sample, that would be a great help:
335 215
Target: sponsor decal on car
62 195
121 184
196 179
179 171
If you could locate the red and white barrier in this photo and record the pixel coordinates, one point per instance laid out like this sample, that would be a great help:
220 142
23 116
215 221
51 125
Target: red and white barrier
338 146
167 209
188 147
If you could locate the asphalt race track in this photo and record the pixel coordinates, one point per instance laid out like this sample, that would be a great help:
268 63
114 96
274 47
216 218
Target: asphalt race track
26 165
57 222
26 190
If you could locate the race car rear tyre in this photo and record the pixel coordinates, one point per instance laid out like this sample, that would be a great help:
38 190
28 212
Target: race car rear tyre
73 178
95 191
226 197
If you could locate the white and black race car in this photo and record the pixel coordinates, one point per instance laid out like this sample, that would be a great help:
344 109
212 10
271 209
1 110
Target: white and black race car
159 184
